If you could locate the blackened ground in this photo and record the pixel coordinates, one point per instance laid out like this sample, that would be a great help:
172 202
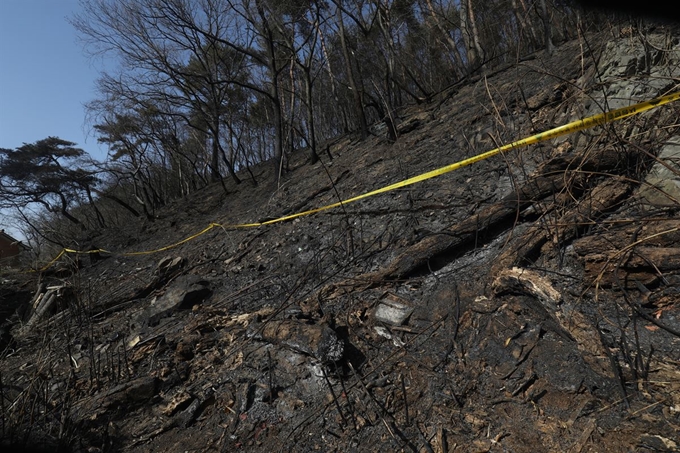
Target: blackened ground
535 322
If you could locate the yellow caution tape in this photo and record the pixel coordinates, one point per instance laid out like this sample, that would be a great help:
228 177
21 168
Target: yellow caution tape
167 247
574 126
54 260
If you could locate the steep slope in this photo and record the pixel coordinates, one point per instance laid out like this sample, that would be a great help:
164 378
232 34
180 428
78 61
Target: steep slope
528 302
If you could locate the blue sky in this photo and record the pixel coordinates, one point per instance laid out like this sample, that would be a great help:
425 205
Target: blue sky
45 78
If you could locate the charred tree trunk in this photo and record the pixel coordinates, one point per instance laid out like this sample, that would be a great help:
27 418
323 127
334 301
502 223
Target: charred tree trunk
356 95
120 202
65 213
549 47
313 156
274 94
468 28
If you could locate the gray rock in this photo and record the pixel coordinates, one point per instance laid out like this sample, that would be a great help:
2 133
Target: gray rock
127 395
632 73
184 293
169 266
663 183
392 312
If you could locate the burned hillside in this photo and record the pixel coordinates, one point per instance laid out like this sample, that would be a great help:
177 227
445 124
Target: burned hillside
528 302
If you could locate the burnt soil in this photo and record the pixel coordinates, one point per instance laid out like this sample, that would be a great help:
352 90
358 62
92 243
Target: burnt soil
282 348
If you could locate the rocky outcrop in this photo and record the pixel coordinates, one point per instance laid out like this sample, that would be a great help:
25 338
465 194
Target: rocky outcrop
182 294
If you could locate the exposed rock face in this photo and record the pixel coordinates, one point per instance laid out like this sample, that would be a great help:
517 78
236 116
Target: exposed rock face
635 70
662 184
181 294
